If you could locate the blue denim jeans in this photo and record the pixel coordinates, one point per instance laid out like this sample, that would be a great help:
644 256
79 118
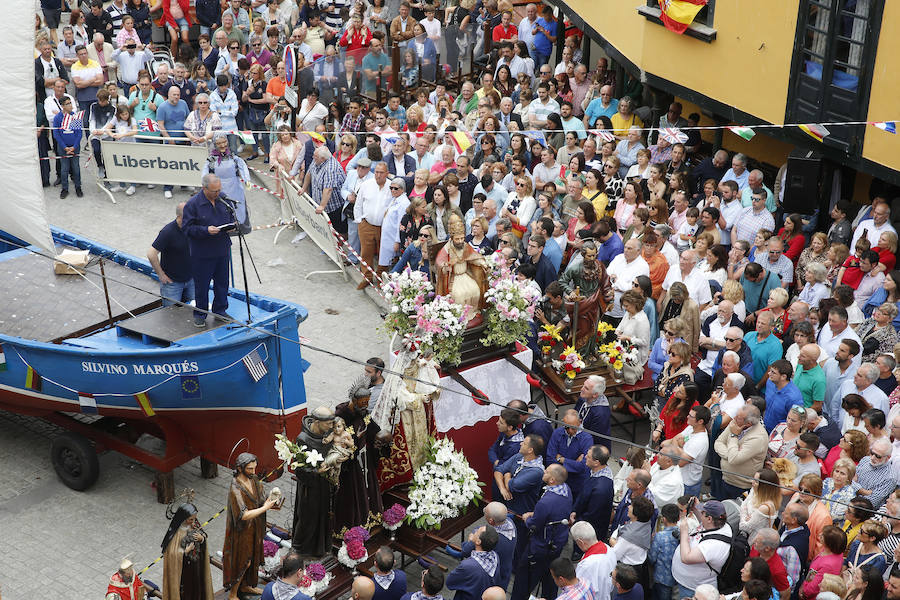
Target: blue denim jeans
684 592
693 490
177 291
70 166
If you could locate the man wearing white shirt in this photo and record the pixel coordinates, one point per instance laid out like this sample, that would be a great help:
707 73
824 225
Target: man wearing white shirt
622 271
729 209
509 58
598 562
839 369
372 199
526 27
874 227
863 383
424 159
697 284
355 179
389 247
541 107
666 482
836 330
712 343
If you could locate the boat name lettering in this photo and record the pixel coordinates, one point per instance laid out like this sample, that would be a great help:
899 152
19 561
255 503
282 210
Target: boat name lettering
163 369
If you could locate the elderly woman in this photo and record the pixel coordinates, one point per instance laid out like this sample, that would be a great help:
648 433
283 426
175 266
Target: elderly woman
840 489
877 333
784 436
675 372
853 446
677 302
624 119
672 331
614 185
816 252
478 237
638 226
815 288
887 252
232 171
202 123
634 328
781 322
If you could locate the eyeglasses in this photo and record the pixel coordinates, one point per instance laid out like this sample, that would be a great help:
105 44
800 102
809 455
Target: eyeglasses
672 353
728 339
256 45
423 236
202 102
345 144
520 184
876 455
668 332
804 491
396 187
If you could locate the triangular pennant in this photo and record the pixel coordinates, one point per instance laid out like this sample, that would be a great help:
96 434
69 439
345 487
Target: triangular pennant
143 401
744 132
33 379
816 131
2 359
889 126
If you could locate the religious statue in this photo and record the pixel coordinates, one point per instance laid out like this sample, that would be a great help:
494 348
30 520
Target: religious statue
588 291
404 407
312 506
358 493
342 449
461 271
125 584
186 573
245 528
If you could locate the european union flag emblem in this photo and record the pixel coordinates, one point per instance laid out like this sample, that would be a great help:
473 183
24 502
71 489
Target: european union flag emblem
190 387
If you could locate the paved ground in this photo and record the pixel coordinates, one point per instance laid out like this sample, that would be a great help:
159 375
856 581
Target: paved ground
65 543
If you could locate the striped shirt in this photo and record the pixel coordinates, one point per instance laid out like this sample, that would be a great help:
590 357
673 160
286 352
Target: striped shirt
876 478
327 175
748 223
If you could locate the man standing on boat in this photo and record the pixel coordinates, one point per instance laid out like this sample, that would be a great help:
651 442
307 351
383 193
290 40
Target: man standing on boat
176 283
210 247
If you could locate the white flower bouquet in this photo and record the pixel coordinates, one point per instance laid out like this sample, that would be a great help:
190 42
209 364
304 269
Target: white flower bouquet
440 325
442 487
297 456
406 292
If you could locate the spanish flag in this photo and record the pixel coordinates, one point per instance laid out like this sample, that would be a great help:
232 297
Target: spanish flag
33 379
143 401
677 15
816 131
462 140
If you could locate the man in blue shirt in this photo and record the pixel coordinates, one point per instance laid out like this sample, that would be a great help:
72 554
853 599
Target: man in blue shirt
535 422
549 529
210 247
595 502
545 30
545 271
611 244
519 481
170 117
552 251
507 443
765 348
390 583
594 412
374 60
781 393
176 283
67 131
567 447
476 573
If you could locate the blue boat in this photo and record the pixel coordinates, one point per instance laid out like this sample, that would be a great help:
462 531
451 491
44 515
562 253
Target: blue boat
96 353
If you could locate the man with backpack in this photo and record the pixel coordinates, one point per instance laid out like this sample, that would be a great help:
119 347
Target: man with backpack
710 554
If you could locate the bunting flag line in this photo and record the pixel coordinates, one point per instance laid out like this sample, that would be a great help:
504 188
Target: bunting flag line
889 126
148 125
673 135
604 135
677 15
744 132
815 131
32 379
255 365
247 137
539 137
2 359
143 401
87 403
190 387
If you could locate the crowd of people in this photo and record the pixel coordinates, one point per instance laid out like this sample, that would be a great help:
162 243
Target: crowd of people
771 337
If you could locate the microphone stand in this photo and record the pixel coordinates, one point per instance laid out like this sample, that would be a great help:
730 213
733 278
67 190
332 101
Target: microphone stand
229 204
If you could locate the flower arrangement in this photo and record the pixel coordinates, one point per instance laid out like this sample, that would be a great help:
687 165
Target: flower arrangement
442 487
569 363
549 338
618 353
315 579
440 325
497 267
353 550
605 333
393 517
297 456
406 292
509 309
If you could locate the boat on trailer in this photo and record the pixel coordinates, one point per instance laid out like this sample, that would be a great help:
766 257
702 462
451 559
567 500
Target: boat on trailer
112 366
97 353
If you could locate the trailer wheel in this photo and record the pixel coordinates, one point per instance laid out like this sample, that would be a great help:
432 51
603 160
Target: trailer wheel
75 460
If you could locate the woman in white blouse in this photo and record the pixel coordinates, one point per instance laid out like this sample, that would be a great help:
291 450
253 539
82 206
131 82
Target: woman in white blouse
520 204
634 328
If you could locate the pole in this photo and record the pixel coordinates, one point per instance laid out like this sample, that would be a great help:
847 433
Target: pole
106 292
244 271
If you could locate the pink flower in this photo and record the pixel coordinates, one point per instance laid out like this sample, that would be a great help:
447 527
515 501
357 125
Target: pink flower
304 581
316 571
356 550
270 548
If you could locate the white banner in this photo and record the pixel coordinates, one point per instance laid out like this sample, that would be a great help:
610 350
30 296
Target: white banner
499 379
316 225
167 164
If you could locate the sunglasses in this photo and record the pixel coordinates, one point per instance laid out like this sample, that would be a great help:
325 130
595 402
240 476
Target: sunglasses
345 144
520 184
394 187
202 102
672 353
876 455
730 339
